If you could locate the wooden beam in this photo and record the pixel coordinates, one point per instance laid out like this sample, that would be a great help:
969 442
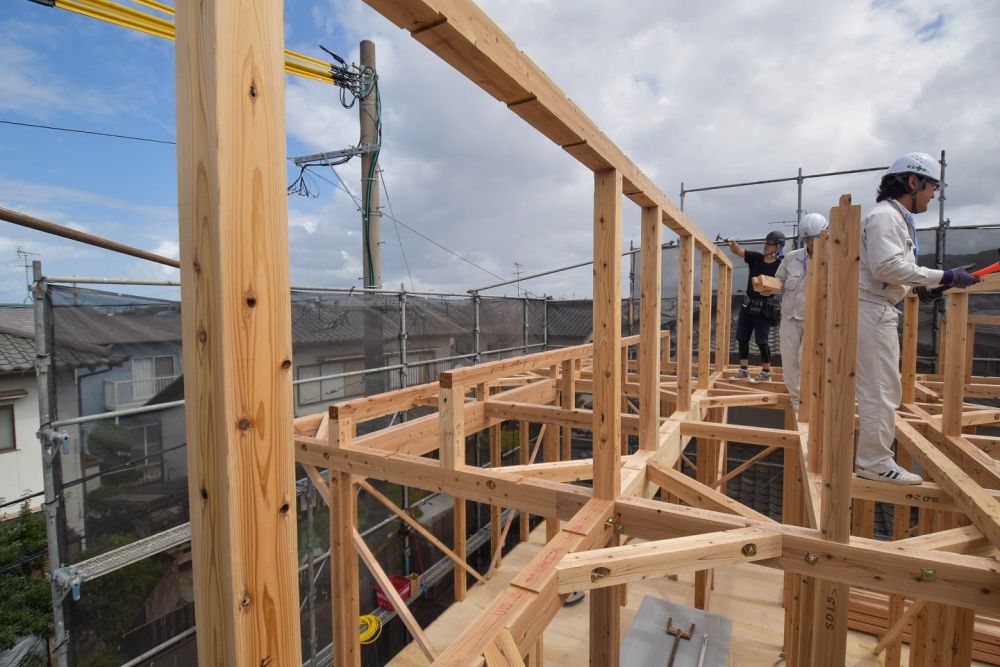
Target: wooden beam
344 571
371 407
761 400
236 330
404 613
685 320
607 332
960 580
559 471
503 651
697 494
601 568
753 435
705 321
567 393
649 328
981 507
911 323
723 317
420 529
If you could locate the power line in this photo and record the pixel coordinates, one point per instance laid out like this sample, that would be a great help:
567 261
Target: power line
395 226
98 134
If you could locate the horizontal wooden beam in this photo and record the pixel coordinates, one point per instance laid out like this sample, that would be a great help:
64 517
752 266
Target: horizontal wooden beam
473 375
754 435
957 540
959 580
380 405
601 568
739 400
493 487
556 471
928 494
979 506
551 414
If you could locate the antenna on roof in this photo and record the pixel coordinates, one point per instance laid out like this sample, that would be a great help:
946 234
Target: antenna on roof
23 254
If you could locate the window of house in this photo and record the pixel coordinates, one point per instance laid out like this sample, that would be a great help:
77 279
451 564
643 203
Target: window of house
146 450
150 375
332 389
7 441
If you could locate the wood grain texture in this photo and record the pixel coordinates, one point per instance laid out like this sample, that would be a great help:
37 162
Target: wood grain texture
607 332
236 330
685 320
705 321
649 328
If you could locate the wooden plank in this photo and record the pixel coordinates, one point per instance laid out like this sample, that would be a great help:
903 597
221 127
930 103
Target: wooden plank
649 328
705 321
567 393
495 510
767 284
831 606
607 332
979 506
763 400
371 407
978 465
523 443
955 332
421 530
985 320
892 634
404 613
753 435
723 317
685 320
601 568
451 415
503 652
697 494
473 375
550 414
344 571
559 471
236 330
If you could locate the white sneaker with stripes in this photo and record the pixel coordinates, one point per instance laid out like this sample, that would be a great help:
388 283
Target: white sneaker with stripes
893 474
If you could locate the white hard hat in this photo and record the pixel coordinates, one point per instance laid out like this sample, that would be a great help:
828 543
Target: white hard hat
919 164
811 225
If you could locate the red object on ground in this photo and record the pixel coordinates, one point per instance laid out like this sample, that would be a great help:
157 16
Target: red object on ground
402 586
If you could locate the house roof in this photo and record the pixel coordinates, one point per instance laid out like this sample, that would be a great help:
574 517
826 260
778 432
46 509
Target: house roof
18 352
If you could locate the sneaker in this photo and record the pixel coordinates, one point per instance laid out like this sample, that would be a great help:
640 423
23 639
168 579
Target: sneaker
894 475
764 376
742 374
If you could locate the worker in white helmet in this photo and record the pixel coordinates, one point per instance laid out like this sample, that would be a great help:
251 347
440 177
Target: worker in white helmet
792 274
888 268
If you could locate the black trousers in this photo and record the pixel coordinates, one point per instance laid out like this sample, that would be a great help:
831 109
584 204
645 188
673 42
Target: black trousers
750 323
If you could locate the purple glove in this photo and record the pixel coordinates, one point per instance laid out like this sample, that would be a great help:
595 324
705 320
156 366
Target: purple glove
959 278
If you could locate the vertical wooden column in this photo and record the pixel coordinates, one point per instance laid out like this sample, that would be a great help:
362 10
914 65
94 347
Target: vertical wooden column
567 392
344 570
832 598
911 324
708 452
650 289
685 324
705 320
814 346
723 316
955 333
496 512
604 612
550 454
451 413
236 324
524 446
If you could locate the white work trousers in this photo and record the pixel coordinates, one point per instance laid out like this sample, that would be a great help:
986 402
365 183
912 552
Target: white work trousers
790 339
878 385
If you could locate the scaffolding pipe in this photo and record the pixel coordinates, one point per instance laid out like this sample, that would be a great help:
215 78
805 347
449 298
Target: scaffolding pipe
47 227
475 327
525 309
781 180
55 513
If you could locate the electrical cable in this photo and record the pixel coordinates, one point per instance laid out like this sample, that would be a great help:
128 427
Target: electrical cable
370 628
395 225
99 134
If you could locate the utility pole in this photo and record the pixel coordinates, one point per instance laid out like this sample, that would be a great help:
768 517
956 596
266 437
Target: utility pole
371 218
371 247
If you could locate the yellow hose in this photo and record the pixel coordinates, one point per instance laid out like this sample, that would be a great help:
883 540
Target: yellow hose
370 628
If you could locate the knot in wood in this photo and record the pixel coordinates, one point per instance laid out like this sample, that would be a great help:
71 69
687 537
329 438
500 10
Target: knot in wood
243 424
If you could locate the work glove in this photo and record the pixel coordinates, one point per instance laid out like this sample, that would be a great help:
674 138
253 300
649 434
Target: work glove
959 277
927 295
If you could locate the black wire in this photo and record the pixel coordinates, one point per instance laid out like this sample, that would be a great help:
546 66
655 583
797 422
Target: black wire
98 134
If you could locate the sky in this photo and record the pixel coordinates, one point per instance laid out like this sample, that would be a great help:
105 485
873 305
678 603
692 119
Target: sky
695 93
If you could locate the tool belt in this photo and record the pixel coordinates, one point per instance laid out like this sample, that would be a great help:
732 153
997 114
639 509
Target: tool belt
767 307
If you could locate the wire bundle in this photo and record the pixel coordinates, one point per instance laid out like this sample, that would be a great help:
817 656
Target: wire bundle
369 628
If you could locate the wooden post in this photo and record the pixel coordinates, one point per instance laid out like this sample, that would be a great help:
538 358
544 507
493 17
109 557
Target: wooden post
955 332
236 330
723 315
550 454
451 409
523 445
344 570
496 512
911 324
705 320
649 329
831 606
568 395
604 611
814 345
685 325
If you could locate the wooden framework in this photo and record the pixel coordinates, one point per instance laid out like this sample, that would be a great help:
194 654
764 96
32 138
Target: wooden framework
937 589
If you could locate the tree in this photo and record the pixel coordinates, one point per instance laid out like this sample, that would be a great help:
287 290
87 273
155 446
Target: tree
25 601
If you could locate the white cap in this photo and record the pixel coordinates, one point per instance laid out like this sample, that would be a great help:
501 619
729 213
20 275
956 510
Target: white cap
919 164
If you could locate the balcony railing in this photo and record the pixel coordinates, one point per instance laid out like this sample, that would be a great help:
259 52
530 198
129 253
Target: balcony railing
121 394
